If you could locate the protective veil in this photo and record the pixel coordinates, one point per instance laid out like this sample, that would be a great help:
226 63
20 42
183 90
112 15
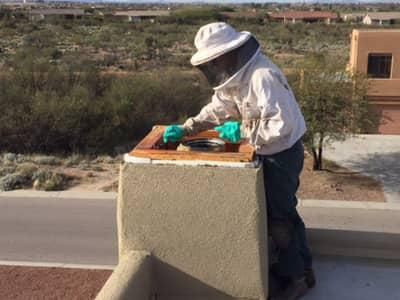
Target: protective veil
248 87
220 69
260 96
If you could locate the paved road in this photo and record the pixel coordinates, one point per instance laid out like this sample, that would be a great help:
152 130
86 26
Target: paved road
373 155
78 231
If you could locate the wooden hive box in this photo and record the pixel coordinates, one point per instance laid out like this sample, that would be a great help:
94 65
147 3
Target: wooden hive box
152 147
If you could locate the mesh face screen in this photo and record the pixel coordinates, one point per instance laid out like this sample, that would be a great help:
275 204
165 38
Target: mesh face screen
220 69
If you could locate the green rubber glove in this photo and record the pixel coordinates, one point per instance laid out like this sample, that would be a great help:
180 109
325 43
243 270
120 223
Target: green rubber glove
173 133
229 131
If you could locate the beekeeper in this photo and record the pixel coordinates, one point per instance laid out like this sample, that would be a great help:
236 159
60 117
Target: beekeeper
252 99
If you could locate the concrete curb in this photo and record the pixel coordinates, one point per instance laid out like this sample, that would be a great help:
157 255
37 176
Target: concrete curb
192 163
348 204
59 195
354 229
55 265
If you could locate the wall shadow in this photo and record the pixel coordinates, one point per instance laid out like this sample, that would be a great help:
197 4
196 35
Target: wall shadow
172 283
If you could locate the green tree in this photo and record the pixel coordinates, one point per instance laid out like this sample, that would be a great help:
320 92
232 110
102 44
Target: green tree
333 102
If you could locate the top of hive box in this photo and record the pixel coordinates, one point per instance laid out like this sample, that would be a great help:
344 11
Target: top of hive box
152 147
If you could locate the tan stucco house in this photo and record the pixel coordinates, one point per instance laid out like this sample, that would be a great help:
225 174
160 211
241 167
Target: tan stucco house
139 15
381 18
66 13
377 54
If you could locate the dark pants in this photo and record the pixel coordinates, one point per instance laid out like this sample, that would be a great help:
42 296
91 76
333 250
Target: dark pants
281 179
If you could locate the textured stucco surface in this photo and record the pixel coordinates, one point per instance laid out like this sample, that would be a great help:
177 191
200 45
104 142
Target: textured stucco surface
131 279
204 226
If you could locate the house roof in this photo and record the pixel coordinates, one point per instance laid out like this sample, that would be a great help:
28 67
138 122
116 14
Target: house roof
304 15
142 13
384 15
58 11
353 15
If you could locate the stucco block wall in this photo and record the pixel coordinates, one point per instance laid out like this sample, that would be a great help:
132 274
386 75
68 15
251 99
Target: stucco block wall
390 118
384 94
131 279
375 41
205 228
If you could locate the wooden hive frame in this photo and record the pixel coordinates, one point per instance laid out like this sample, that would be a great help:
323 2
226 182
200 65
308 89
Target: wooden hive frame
152 147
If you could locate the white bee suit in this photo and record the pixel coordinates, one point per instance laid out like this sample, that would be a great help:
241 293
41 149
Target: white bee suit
260 96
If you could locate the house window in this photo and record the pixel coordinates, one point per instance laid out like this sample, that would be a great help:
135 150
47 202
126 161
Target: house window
379 65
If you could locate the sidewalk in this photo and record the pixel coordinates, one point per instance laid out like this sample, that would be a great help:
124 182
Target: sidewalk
355 279
377 156
58 195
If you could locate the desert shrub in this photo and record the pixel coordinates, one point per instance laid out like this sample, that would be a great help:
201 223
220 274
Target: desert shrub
11 182
9 158
75 109
5 12
47 160
334 103
6 170
55 53
26 170
140 101
104 159
52 105
40 39
50 181
193 15
73 160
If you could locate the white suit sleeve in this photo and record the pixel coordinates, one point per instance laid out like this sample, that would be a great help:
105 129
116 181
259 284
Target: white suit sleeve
274 102
214 113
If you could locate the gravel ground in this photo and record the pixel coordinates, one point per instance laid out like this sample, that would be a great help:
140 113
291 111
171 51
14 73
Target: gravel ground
22 283
338 183
101 174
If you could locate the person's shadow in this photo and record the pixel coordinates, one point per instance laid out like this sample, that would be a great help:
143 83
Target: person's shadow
381 166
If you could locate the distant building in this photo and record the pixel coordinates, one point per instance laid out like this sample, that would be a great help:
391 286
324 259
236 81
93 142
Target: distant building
19 4
139 15
67 13
304 16
381 18
377 54
353 17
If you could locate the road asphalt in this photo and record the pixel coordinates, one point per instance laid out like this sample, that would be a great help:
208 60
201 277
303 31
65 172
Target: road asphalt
51 229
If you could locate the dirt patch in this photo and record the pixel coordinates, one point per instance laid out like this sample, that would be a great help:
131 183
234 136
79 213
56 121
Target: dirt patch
338 183
98 177
43 172
21 283
101 174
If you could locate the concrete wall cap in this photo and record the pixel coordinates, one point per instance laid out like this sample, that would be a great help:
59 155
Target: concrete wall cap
195 163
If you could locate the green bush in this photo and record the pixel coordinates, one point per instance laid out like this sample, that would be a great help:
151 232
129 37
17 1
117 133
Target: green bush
11 182
193 15
50 181
143 100
58 108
